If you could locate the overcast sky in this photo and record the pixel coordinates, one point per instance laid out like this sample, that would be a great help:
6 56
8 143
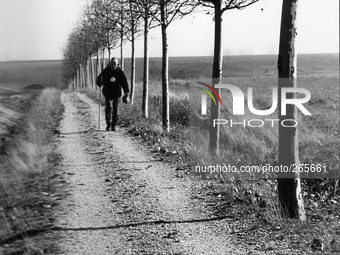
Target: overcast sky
38 29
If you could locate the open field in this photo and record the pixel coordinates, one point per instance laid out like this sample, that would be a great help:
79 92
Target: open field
17 74
16 90
193 68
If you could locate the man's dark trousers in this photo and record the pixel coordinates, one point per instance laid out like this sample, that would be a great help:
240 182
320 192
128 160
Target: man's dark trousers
111 115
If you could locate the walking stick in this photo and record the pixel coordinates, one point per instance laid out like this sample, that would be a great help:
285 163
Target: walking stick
100 100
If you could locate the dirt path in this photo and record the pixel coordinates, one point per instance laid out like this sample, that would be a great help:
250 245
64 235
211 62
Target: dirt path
123 201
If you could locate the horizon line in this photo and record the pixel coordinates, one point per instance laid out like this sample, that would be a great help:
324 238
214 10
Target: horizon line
240 55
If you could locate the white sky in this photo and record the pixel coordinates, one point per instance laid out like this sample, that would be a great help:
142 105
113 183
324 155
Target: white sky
37 29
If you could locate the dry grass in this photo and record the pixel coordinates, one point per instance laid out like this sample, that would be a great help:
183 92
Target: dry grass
25 153
245 145
248 146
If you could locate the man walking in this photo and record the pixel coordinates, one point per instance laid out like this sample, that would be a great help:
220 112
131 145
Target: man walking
113 79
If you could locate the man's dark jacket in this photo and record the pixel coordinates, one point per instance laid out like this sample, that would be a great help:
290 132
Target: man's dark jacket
113 87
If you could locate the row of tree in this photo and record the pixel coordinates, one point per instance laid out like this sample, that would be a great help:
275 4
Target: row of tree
107 24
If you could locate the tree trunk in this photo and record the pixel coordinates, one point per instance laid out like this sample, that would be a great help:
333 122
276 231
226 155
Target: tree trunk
80 82
145 107
165 71
133 59
81 76
88 75
133 68
93 76
109 51
84 75
121 51
214 132
75 83
97 68
78 78
289 187
121 38
103 59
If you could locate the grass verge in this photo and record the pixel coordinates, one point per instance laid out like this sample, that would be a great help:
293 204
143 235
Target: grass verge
25 155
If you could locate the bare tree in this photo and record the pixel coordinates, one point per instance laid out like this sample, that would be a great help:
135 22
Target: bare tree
97 34
219 6
289 187
165 12
96 31
145 101
121 14
125 17
76 54
145 6
107 13
133 23
123 21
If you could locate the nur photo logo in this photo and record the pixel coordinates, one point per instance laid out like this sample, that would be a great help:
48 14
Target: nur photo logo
238 104
204 97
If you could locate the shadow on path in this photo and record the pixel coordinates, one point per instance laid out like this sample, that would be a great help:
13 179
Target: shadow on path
33 232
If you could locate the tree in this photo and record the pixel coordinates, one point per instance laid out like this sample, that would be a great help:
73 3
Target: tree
145 100
133 20
125 18
102 17
107 17
145 6
289 187
75 54
121 14
219 6
121 22
94 32
164 12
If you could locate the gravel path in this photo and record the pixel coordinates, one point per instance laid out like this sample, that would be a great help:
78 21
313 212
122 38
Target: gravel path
122 200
